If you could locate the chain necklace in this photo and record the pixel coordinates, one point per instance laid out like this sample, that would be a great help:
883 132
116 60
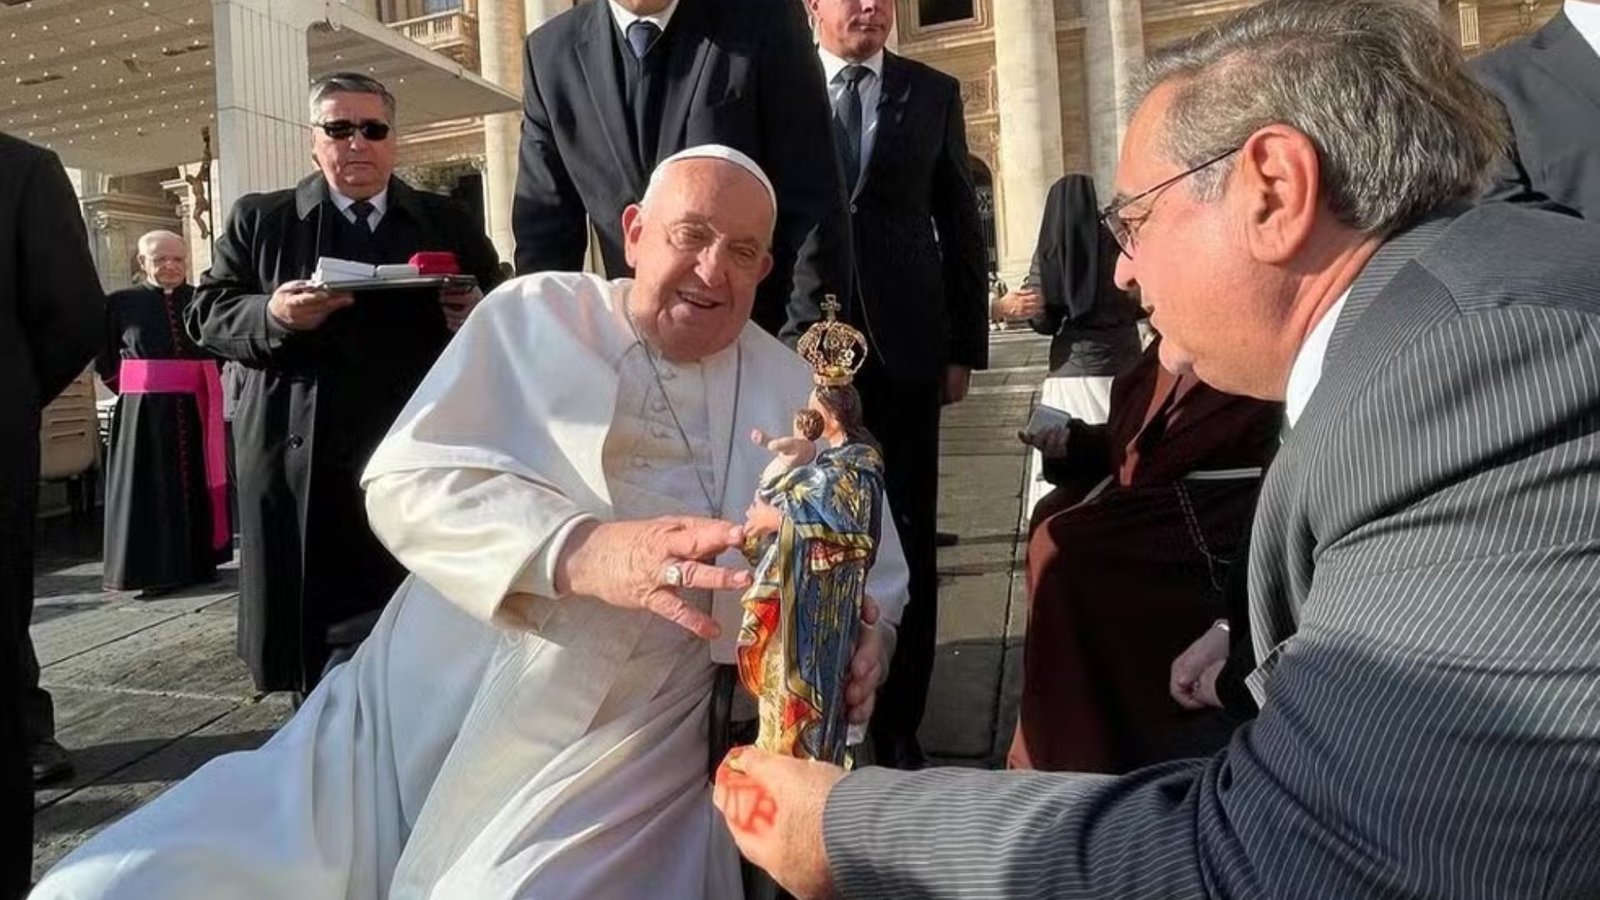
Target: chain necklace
713 506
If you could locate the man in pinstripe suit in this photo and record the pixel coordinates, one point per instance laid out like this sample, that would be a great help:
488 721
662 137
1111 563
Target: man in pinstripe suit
1425 567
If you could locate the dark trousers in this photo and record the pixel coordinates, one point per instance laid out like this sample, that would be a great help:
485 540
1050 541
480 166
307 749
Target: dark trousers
19 484
904 417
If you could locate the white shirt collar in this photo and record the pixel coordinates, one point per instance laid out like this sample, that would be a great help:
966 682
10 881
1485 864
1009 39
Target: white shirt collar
1307 368
379 201
623 17
832 65
1586 18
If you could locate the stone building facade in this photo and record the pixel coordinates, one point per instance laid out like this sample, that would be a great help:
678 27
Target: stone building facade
1044 84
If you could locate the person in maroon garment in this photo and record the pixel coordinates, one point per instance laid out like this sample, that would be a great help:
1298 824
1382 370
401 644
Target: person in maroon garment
1126 564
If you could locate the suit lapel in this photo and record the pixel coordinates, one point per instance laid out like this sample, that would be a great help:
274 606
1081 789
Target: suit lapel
593 50
691 45
1560 50
891 114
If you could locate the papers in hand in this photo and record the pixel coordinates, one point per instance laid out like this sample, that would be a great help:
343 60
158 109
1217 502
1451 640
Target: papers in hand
337 271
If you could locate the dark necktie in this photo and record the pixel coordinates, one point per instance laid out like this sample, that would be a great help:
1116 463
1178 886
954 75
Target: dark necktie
642 36
647 81
363 211
847 124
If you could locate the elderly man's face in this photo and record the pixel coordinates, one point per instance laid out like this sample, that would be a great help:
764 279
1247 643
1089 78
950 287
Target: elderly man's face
165 263
355 166
1190 262
698 251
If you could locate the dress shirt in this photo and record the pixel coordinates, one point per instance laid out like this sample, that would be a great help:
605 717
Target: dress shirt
871 88
379 201
623 17
1307 368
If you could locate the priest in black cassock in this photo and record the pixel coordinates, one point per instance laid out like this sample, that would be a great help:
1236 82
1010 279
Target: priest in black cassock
324 373
166 481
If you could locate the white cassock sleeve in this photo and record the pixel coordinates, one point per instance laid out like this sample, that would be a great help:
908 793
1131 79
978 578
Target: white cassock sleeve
487 540
496 457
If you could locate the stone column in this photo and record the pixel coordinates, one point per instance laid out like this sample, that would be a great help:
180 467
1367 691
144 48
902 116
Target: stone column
538 12
500 41
1028 84
1113 43
262 65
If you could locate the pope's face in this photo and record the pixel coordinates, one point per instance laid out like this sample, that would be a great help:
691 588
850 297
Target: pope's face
699 248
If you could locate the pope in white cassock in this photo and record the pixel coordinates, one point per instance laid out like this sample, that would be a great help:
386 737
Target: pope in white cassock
529 717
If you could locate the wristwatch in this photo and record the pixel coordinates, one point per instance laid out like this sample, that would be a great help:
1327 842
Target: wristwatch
1222 624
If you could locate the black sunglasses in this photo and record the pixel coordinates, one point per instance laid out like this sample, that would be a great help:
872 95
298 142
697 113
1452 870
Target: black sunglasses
343 129
1125 231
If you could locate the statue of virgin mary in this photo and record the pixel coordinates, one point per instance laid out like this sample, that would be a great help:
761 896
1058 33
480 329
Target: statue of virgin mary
812 535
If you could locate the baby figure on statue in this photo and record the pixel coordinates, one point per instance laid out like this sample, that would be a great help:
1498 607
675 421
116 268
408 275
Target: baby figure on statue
791 450
812 534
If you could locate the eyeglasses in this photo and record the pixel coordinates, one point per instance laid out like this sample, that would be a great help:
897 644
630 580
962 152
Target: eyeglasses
1125 229
344 129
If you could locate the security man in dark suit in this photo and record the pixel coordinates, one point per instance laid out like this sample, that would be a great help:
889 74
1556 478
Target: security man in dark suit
1549 84
613 87
918 290
52 316
324 374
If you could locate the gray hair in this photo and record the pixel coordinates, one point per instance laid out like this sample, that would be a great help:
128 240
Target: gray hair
148 241
349 83
1399 125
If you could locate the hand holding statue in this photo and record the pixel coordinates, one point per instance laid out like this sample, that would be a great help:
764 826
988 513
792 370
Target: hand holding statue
774 806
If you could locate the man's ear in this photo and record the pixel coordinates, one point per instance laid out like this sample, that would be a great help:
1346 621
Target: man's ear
632 229
1277 181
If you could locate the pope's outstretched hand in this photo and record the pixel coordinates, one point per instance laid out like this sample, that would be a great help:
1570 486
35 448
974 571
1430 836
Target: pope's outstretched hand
644 565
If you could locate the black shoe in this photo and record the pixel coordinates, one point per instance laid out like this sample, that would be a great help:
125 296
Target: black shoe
51 762
151 593
946 539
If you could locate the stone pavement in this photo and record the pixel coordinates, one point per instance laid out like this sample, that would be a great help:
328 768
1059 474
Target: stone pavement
148 690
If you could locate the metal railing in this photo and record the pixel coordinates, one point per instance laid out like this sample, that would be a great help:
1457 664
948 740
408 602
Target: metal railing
453 33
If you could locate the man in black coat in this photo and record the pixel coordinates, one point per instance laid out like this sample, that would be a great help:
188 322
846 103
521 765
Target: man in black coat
51 315
1549 84
611 88
324 373
919 293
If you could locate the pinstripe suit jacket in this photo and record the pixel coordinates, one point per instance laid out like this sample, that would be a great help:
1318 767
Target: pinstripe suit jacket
1425 584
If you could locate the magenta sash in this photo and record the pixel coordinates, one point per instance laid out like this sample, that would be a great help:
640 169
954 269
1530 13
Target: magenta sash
198 378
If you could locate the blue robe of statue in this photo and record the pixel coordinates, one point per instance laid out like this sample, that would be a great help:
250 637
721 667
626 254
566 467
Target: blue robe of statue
803 610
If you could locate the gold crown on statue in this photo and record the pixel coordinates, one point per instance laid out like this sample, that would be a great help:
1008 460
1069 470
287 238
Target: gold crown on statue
834 349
